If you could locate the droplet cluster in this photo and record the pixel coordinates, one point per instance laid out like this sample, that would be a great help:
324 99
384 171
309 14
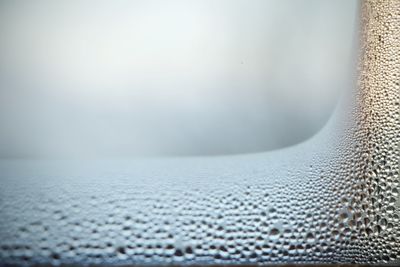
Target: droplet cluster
332 199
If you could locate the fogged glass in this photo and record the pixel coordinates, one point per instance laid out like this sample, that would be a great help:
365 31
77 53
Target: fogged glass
199 132
169 78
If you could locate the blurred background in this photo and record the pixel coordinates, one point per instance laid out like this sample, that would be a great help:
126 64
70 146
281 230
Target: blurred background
169 78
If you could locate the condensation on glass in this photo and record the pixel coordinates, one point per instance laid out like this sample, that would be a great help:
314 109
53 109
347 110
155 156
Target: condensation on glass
334 198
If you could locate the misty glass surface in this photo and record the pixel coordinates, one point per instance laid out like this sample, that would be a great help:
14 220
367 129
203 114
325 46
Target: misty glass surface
167 78
137 78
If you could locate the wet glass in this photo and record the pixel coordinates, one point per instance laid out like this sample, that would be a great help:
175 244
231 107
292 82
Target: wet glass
199 132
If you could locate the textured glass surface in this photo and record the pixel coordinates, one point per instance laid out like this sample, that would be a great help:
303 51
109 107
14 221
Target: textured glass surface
333 198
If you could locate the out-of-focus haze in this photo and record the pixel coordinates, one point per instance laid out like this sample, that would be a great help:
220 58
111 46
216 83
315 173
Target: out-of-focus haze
164 78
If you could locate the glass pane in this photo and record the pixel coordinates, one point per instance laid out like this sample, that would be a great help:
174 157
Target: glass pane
169 78
77 188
